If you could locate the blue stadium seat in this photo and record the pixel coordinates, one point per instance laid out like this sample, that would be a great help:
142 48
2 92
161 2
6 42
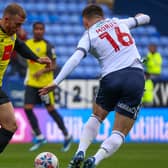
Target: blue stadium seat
51 7
107 11
151 30
61 8
32 17
61 60
164 41
78 29
79 72
67 29
30 7
28 28
92 72
71 40
40 7
54 29
140 30
72 7
64 28
144 51
165 62
141 41
66 19
61 51
53 18
161 50
43 18
154 40
75 19
59 40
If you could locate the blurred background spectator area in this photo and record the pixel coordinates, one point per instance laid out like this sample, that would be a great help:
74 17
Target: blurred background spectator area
64 28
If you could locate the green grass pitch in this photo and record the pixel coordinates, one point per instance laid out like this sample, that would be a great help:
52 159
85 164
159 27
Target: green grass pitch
129 156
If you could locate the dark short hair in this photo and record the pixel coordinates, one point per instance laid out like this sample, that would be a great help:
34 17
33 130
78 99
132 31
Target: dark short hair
38 23
15 9
92 10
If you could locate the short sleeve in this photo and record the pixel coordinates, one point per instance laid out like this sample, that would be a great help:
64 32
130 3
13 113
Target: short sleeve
50 51
84 43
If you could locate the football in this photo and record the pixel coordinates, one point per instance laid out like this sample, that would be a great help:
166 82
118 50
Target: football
46 160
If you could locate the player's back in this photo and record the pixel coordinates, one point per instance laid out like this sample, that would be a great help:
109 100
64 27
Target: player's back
113 45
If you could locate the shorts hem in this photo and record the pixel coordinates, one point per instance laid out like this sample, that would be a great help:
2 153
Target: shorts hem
126 113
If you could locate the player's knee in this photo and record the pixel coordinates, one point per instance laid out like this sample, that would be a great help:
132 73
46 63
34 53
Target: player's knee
92 124
14 127
11 126
29 112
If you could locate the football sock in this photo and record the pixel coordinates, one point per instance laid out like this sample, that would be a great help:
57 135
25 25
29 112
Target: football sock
109 146
33 121
5 137
90 131
40 137
58 119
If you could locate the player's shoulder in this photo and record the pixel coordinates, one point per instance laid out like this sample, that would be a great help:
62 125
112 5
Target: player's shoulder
29 41
47 41
115 19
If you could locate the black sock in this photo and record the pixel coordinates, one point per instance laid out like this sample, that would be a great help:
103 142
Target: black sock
33 121
5 137
58 119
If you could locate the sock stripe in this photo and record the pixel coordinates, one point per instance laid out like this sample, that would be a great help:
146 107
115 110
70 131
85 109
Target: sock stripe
119 133
96 117
104 149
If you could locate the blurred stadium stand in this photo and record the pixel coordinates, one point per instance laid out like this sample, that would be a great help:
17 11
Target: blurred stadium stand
64 28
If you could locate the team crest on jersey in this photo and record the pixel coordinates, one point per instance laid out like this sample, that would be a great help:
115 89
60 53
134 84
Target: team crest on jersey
38 49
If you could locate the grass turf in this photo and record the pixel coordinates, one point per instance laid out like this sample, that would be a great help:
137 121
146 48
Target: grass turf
129 156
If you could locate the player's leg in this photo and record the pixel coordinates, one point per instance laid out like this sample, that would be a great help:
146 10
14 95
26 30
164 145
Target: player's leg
91 127
89 133
122 125
49 103
130 88
8 124
31 98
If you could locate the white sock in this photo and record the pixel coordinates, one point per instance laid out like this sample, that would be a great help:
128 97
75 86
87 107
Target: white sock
67 137
109 146
41 136
90 131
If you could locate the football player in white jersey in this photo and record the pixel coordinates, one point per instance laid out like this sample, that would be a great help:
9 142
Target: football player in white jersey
121 84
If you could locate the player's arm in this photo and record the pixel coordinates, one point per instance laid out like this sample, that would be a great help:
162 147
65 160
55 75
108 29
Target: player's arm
138 20
74 60
52 56
70 65
26 52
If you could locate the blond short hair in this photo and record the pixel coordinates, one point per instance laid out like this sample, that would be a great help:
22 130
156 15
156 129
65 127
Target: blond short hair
15 9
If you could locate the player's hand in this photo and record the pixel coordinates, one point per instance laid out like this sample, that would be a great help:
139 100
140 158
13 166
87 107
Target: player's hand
38 74
47 89
139 14
45 60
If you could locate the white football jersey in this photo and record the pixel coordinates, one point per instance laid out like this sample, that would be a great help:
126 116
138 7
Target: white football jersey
110 41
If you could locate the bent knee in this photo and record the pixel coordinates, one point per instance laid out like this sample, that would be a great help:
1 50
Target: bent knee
12 126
